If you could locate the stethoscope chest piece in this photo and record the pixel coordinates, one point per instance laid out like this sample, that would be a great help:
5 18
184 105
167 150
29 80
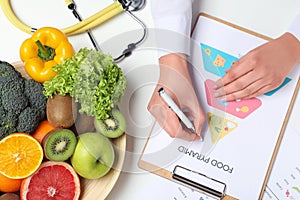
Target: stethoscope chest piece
134 5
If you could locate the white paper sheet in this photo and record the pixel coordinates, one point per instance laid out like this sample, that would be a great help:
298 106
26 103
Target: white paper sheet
239 137
284 181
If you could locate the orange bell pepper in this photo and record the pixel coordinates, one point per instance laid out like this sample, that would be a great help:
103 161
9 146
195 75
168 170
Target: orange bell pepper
46 48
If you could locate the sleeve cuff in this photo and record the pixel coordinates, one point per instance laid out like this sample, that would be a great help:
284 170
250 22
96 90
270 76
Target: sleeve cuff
172 22
173 35
294 28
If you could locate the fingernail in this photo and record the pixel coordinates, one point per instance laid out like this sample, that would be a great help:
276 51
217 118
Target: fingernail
223 99
216 94
201 139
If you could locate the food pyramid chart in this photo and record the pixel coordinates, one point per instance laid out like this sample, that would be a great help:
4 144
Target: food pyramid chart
219 127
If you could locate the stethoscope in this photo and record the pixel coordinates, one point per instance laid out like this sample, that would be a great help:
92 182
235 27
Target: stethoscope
85 25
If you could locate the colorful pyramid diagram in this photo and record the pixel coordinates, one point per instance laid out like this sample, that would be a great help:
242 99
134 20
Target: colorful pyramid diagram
238 108
219 127
216 61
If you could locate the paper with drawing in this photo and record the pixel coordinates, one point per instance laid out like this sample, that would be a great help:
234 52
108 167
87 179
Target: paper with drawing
284 181
239 136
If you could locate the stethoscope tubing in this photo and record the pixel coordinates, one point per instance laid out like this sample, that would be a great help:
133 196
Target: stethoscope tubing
83 25
86 24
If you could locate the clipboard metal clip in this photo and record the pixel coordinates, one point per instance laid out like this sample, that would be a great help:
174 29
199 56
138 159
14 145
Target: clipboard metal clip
200 182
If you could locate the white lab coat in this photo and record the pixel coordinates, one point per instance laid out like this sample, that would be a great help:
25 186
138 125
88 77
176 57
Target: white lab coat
294 28
172 21
176 16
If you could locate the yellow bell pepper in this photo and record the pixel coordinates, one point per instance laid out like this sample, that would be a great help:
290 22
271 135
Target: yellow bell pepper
46 48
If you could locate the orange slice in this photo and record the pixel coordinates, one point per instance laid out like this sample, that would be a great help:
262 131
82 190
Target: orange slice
20 155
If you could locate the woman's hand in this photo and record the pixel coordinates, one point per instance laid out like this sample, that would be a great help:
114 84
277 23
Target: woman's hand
176 81
261 70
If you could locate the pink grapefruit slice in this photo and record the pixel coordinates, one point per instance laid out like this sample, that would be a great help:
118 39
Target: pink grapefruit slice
53 180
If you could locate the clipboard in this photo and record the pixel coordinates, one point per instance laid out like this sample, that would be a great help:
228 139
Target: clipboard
199 180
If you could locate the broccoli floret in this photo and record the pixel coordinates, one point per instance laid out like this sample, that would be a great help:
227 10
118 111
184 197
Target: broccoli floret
2 112
13 99
22 102
28 120
12 89
5 132
8 73
34 93
8 124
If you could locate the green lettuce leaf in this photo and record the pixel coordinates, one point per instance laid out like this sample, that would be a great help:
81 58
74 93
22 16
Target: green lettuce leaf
93 79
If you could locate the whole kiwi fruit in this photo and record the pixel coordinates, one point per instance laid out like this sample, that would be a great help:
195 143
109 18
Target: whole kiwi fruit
61 111
9 196
84 124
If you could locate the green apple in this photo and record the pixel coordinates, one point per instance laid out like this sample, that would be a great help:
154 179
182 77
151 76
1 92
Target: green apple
93 156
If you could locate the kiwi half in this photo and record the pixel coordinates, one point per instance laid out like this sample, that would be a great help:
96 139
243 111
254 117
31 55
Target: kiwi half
59 144
112 127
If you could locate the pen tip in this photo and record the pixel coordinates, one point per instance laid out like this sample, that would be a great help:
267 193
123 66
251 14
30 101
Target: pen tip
198 134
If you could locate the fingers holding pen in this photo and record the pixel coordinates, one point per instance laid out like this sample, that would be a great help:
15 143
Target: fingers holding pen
168 119
196 115
189 114
170 122
177 83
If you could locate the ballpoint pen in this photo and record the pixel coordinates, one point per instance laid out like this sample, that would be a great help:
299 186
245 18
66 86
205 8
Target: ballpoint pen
184 119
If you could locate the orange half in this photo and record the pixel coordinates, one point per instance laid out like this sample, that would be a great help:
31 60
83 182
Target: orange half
20 155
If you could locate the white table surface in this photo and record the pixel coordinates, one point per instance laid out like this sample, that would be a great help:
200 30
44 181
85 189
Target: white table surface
268 17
